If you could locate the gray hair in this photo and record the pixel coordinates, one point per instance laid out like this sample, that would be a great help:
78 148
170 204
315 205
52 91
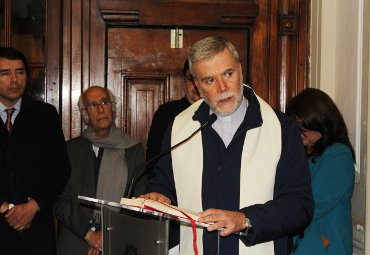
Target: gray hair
207 48
82 107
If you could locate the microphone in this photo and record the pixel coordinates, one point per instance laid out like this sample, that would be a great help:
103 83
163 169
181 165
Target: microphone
211 119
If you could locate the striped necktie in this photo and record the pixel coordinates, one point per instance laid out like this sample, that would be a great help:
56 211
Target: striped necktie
8 123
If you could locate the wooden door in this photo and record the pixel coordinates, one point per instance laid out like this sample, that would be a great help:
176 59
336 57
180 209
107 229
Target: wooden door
142 68
144 71
124 45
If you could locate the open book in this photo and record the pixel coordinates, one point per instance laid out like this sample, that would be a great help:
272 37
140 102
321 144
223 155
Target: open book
162 208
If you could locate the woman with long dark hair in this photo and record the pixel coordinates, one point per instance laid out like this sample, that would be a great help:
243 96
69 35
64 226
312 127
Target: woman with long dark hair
331 159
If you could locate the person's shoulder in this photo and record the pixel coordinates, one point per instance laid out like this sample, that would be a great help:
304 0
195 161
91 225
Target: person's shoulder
170 105
288 125
37 106
78 143
168 111
339 156
258 103
136 148
337 148
77 140
284 119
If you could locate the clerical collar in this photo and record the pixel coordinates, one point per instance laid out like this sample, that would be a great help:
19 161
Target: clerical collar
226 126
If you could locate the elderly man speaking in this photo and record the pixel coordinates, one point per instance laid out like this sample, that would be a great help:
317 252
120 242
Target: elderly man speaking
247 172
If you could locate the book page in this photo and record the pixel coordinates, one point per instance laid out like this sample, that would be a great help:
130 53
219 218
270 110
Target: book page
156 206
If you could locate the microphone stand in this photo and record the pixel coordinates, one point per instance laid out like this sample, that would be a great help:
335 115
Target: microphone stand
140 170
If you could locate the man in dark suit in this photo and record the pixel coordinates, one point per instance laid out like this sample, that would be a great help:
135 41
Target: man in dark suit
168 111
33 162
103 162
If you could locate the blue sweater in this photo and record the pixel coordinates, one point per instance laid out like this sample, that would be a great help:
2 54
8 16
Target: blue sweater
332 176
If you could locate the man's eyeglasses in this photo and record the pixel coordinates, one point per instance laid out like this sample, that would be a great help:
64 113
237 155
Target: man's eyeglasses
94 105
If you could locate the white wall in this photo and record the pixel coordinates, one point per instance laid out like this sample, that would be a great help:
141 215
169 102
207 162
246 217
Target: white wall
367 225
340 67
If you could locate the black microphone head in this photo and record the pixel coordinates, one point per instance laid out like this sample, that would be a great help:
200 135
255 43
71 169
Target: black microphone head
212 118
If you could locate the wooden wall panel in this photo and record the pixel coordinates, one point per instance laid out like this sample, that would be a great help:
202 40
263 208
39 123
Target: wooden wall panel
96 46
157 12
280 50
303 45
288 50
67 70
278 53
260 49
76 69
114 83
53 57
83 62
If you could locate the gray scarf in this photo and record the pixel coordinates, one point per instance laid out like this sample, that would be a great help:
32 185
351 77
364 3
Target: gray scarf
113 170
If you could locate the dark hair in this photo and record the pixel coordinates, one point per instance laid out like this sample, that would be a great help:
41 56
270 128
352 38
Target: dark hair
316 111
14 54
186 67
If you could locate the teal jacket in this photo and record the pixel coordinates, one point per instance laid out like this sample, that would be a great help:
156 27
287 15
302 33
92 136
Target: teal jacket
332 177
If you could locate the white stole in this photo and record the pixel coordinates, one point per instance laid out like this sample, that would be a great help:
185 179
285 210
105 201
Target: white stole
261 153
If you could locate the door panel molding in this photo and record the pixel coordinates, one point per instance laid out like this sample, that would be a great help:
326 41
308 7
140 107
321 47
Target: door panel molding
142 93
